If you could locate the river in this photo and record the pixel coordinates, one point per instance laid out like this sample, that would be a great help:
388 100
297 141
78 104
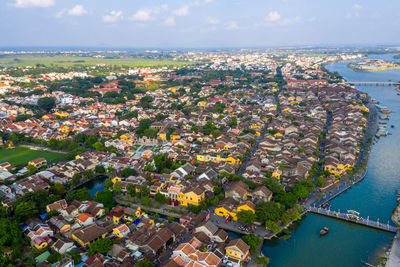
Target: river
95 185
349 244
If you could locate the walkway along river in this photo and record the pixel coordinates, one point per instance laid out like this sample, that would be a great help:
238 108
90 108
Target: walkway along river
349 244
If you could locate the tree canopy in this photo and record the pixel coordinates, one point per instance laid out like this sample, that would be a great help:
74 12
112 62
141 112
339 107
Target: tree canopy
46 103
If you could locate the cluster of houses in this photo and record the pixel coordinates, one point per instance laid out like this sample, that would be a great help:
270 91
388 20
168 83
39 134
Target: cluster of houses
207 133
192 240
345 132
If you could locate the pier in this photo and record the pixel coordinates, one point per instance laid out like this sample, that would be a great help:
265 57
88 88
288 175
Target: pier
353 216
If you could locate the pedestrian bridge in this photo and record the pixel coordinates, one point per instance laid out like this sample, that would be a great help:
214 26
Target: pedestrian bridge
390 83
354 217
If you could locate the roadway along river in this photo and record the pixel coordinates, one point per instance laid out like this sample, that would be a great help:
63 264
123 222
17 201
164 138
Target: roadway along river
349 244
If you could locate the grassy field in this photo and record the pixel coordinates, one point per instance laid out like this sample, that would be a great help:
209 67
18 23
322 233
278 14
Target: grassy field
67 61
21 156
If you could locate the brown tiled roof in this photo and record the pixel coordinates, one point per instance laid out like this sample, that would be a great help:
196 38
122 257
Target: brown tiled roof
240 244
90 233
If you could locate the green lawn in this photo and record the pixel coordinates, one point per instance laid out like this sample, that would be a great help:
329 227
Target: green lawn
21 156
67 61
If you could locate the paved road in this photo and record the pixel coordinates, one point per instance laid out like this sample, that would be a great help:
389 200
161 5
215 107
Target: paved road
394 256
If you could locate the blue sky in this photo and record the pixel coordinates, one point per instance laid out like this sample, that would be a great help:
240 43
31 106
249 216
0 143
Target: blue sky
198 23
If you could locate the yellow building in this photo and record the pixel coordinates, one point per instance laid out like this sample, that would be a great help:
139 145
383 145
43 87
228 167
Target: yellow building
61 114
126 137
87 236
216 158
40 243
191 196
230 207
202 103
238 249
277 174
175 137
121 230
116 179
162 136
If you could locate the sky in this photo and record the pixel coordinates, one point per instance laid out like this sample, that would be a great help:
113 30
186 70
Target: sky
198 23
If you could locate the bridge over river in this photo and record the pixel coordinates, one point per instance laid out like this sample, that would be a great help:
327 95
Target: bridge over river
389 83
353 216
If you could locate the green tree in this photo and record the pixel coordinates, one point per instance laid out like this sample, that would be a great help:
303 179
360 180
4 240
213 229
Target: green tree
83 194
273 185
269 211
160 198
264 261
128 172
105 197
98 146
25 210
76 178
100 246
76 257
146 201
46 103
100 169
303 188
286 199
88 174
246 216
108 184
117 188
234 122
208 128
252 241
145 101
216 133
11 236
51 213
59 189
273 226
32 169
144 263
54 257
131 190
320 181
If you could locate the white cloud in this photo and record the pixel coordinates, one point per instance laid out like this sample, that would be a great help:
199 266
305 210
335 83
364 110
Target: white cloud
209 29
170 21
33 3
142 15
357 6
212 21
60 13
273 16
287 21
208 1
113 16
77 10
232 25
147 14
183 11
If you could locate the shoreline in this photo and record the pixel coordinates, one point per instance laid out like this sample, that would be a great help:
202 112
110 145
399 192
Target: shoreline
352 66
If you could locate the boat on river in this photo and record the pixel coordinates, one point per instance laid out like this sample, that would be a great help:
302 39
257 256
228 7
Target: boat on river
324 231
